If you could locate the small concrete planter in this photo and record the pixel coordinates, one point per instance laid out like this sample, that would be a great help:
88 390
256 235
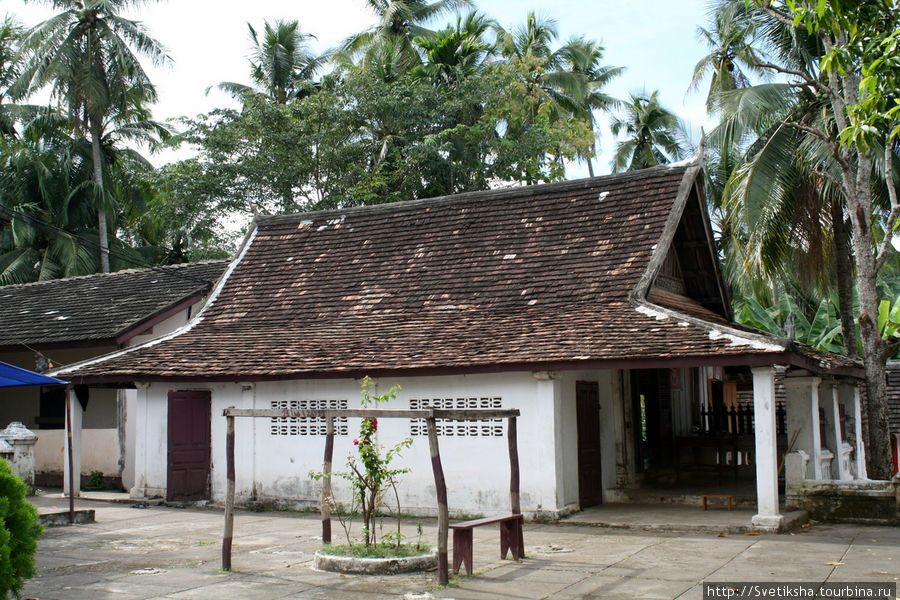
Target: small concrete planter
374 566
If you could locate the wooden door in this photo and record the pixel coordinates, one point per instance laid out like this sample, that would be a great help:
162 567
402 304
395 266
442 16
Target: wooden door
189 445
590 484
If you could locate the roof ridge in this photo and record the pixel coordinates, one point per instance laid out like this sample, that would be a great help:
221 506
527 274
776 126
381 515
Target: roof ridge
132 271
524 191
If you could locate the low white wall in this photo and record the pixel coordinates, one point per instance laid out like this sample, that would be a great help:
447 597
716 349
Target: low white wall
276 467
99 451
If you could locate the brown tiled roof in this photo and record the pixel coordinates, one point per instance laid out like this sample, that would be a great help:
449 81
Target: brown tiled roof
489 280
98 308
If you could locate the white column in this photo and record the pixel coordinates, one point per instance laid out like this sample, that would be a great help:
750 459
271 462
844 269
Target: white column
767 517
802 406
548 396
849 392
141 417
840 468
74 414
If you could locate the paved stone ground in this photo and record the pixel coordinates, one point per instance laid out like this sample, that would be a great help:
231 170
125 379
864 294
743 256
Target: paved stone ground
170 553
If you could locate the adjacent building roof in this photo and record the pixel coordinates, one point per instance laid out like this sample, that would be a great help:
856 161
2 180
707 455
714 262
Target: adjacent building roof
100 309
539 277
893 394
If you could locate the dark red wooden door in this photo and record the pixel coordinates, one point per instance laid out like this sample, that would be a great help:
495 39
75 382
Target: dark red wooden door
590 486
189 446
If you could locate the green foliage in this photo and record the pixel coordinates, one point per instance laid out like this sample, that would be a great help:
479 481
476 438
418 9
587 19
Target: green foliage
19 532
867 34
822 331
380 550
654 135
96 480
889 318
364 141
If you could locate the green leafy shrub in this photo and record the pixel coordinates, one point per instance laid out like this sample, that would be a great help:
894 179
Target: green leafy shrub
19 532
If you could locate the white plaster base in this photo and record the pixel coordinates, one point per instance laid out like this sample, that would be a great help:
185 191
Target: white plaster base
769 523
374 566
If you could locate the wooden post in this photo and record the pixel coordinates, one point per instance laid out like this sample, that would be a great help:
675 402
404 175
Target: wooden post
229 494
70 455
513 439
440 486
326 481
515 505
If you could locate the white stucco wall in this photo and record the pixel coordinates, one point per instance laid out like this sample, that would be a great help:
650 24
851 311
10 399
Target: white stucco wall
476 468
99 451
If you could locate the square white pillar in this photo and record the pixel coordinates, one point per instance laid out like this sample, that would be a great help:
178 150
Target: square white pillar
803 432
768 516
849 397
832 421
141 416
74 418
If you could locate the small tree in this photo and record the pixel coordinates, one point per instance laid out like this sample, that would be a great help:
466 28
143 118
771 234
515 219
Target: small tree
369 472
19 532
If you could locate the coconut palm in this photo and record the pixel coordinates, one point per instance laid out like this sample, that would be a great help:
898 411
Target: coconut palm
41 200
282 65
398 22
731 61
47 195
455 52
654 135
10 62
89 56
583 58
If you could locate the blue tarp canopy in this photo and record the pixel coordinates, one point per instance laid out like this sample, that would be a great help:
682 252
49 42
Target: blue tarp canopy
13 376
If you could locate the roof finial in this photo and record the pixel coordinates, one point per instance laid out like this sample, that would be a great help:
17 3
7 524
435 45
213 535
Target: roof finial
700 155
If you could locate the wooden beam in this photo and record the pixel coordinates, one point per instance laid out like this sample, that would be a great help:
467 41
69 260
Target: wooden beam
379 413
326 481
228 536
440 486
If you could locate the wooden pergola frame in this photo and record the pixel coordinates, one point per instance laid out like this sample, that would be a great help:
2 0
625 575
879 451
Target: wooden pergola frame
429 415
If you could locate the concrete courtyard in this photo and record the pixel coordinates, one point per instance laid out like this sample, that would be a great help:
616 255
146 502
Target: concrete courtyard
174 553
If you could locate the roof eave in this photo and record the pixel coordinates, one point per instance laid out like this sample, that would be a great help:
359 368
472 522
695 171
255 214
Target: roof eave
748 359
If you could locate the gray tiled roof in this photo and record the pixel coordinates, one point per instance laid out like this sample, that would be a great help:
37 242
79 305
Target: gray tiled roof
98 308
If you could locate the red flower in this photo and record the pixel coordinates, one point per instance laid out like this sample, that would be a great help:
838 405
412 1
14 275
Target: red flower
374 424
355 442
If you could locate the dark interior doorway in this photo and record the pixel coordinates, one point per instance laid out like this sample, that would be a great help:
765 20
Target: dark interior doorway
189 445
654 441
590 482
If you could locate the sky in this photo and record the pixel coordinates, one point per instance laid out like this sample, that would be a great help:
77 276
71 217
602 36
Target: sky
655 40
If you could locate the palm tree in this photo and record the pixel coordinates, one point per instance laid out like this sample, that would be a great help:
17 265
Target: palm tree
399 22
456 52
653 134
583 58
43 203
86 54
10 67
731 60
282 65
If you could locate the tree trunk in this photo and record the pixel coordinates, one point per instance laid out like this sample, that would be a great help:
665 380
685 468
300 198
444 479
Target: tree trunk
98 193
590 161
844 276
879 454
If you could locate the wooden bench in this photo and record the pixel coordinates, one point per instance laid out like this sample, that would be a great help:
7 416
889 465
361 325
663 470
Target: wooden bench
510 539
728 497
